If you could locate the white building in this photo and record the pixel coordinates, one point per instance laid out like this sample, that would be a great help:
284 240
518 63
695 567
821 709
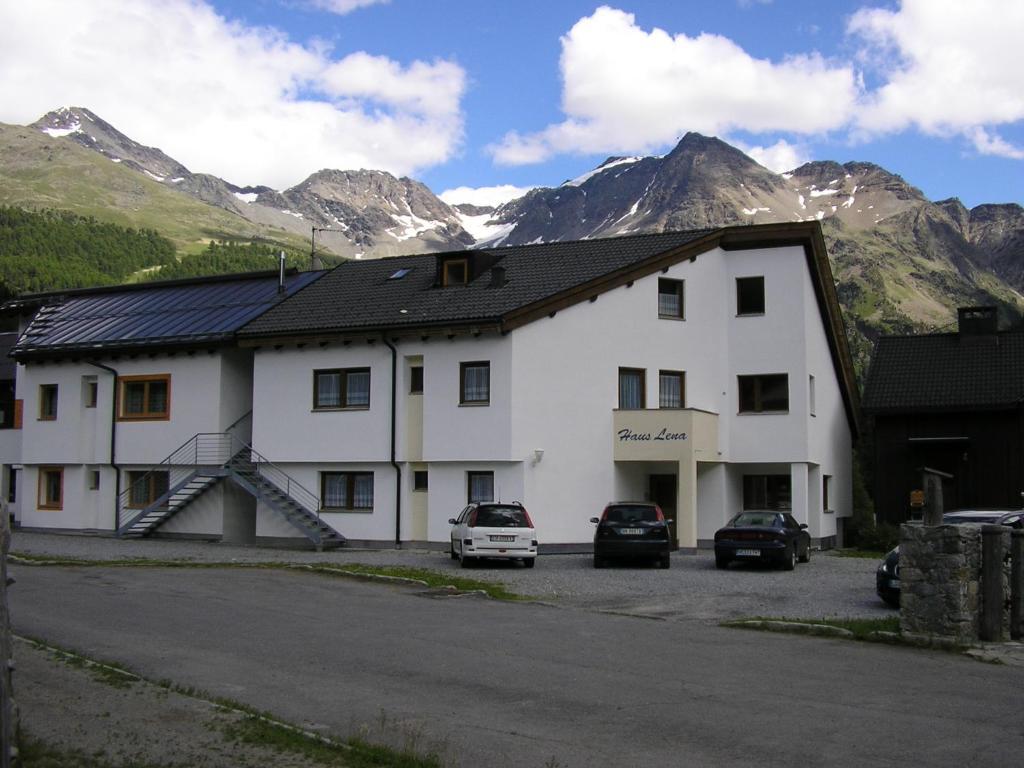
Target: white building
705 370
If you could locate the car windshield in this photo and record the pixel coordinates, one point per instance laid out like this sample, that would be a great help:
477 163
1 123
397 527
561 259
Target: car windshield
501 517
631 513
766 519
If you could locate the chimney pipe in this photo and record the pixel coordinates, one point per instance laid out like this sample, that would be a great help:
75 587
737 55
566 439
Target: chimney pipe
280 276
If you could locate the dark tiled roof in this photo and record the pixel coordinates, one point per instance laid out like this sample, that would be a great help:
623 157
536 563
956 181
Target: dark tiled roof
178 312
358 295
945 372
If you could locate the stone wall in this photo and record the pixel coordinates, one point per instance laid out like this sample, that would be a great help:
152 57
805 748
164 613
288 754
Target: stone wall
940 581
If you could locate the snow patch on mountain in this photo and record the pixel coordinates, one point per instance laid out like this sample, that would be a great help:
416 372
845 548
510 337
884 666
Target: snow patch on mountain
579 180
59 132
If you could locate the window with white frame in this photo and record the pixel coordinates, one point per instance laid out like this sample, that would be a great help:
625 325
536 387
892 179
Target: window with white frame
336 388
346 490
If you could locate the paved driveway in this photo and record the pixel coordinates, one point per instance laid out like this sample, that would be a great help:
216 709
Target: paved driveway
692 589
507 684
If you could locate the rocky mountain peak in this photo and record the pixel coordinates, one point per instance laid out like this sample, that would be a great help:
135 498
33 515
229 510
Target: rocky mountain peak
92 132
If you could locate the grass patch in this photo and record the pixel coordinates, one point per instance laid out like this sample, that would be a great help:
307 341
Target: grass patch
108 672
862 629
355 753
256 728
36 753
433 579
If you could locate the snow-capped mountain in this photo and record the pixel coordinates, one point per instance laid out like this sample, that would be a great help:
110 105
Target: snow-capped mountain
363 213
901 261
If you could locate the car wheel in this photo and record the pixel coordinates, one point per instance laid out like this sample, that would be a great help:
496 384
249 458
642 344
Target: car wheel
790 562
806 557
598 561
451 551
467 561
893 601
721 562
664 562
529 562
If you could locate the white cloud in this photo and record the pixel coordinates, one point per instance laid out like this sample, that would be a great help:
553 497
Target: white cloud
629 90
483 196
947 67
991 144
779 157
342 7
244 103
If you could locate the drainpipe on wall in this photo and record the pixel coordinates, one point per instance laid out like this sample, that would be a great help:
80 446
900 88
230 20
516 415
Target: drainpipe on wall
398 469
113 443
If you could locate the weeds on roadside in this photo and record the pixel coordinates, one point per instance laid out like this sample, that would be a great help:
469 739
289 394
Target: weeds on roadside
355 753
862 629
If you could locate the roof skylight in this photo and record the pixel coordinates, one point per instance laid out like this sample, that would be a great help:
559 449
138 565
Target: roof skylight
400 273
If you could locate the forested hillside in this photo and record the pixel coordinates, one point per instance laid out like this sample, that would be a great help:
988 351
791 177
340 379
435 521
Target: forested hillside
229 258
53 250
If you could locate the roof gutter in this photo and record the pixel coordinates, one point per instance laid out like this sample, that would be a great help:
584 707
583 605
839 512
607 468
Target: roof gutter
113 442
398 468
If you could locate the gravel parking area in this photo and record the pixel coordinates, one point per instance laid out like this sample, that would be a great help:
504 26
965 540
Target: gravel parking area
693 589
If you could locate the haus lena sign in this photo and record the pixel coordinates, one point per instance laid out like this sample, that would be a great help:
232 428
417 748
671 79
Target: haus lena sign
662 434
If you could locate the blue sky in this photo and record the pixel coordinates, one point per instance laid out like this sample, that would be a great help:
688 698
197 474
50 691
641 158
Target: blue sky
474 94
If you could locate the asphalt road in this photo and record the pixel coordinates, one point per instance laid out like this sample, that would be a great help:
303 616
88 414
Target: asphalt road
499 684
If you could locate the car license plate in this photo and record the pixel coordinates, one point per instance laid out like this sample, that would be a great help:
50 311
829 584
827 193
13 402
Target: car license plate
748 553
631 531
894 583
503 538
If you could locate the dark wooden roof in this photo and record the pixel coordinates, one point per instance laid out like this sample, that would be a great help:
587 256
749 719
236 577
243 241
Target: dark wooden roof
360 295
946 372
203 311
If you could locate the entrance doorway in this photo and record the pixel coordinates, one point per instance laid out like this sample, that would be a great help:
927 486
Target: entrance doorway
663 493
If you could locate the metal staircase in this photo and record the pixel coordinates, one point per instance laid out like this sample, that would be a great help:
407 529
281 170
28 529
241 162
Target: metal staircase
202 462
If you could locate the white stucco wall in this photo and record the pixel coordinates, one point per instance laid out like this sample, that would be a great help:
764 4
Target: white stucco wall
208 392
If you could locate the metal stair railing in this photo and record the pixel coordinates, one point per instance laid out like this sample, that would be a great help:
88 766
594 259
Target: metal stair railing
214 450
277 477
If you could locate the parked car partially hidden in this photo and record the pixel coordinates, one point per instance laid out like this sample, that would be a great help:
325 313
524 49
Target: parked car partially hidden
493 529
1012 518
765 536
632 529
887 577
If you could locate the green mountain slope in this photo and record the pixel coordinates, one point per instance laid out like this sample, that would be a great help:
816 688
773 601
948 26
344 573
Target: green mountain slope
38 171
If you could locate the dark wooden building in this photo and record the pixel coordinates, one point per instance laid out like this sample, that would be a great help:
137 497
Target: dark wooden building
951 402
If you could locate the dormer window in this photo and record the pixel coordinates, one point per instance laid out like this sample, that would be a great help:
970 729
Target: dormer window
455 272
